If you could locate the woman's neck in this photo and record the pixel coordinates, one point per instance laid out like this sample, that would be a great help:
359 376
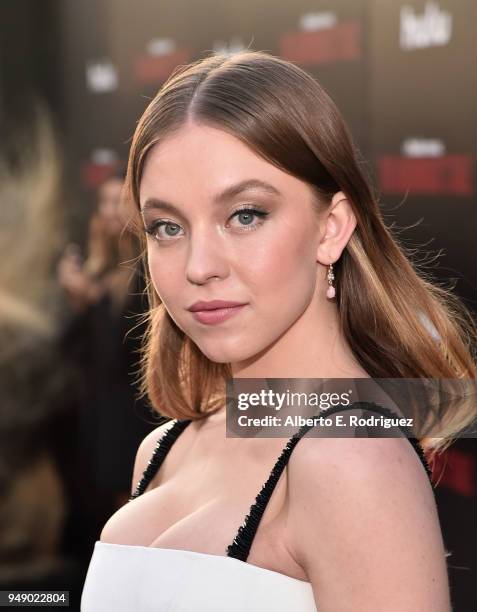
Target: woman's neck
314 347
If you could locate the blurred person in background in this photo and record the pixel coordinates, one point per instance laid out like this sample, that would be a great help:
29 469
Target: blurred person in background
86 282
100 339
32 383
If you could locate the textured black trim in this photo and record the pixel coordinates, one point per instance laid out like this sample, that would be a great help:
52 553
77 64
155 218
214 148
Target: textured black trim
162 448
240 547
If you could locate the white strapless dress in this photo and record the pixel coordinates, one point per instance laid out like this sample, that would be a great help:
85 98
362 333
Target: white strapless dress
124 578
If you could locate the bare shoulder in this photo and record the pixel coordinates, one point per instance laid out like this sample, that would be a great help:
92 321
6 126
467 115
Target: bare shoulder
350 459
146 449
364 525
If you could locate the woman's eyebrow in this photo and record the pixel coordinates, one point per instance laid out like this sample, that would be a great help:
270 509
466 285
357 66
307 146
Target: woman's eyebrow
227 194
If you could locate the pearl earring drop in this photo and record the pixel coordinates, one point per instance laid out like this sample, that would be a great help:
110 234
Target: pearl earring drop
330 292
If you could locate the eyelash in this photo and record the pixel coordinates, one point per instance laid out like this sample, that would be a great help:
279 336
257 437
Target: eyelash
261 214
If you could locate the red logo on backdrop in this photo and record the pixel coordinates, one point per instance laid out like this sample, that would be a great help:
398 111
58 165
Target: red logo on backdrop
93 174
342 42
456 470
444 175
153 69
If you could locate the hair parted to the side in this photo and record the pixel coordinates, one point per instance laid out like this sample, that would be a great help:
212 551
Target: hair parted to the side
384 299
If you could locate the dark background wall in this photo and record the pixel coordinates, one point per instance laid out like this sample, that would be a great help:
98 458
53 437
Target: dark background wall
30 61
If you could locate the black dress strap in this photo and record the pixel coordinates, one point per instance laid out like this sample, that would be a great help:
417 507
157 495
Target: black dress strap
240 547
242 543
162 448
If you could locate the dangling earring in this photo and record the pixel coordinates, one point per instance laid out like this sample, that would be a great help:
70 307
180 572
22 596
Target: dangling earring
330 292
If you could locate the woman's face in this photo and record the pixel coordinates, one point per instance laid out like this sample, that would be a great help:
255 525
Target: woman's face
109 205
202 247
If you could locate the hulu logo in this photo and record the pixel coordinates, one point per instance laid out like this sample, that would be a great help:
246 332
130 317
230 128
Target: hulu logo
433 28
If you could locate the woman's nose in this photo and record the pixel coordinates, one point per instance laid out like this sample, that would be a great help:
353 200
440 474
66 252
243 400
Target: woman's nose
206 258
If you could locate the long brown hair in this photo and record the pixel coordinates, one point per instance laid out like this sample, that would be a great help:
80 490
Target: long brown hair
391 311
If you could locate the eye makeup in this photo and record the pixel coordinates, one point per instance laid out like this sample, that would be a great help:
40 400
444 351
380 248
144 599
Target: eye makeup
252 210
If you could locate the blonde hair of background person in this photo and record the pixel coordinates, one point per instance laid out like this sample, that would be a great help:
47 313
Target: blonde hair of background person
390 310
361 525
31 381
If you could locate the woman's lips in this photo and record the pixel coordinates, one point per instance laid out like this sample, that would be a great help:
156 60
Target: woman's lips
217 315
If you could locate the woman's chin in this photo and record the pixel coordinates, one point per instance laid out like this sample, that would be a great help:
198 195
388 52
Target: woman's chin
226 354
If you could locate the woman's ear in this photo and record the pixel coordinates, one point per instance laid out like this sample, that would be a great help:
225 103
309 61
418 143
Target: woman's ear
338 224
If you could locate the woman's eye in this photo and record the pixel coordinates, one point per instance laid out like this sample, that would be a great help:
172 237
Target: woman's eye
245 217
163 231
171 230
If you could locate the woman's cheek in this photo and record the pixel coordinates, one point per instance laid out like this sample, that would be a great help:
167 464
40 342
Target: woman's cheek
159 271
160 286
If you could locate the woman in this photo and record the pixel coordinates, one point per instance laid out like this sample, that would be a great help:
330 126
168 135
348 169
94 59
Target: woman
246 184
104 295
